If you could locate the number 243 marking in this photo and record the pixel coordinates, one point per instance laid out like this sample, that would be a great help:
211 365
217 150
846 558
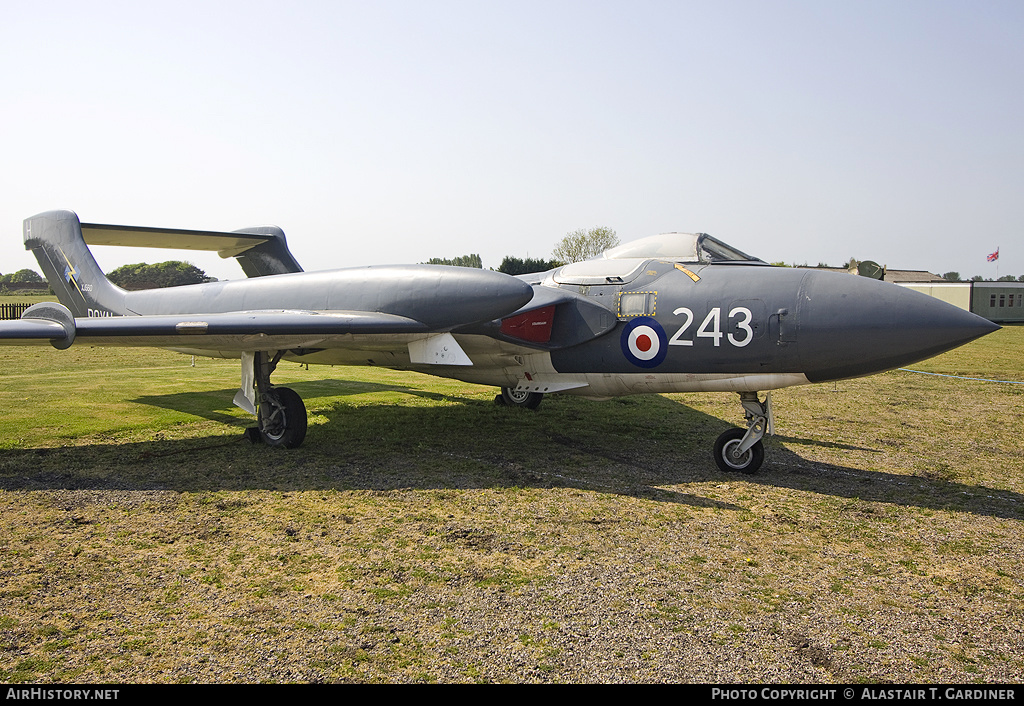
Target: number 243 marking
711 327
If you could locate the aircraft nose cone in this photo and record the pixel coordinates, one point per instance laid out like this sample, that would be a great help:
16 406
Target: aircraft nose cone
851 326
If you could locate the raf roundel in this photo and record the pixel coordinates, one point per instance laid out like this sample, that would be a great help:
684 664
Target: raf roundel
644 342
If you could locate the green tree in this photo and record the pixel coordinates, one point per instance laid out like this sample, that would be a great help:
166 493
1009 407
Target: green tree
172 273
460 261
516 266
21 276
952 277
583 244
1007 278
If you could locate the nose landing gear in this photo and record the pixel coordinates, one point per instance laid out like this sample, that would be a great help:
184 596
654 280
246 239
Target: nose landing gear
739 450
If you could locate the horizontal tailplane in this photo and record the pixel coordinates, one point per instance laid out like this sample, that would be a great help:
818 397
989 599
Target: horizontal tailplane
261 250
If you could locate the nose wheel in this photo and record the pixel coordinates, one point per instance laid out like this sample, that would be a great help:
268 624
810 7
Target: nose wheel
741 449
730 456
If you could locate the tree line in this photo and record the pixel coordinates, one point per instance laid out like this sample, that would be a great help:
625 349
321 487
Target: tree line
955 277
21 277
172 273
576 246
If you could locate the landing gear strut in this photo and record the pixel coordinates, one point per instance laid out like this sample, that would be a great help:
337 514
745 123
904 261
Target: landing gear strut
279 410
739 450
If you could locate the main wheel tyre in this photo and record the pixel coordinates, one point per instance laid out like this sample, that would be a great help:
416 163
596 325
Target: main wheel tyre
285 423
726 446
521 398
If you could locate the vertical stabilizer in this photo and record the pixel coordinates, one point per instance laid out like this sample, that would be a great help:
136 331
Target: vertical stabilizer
271 257
55 238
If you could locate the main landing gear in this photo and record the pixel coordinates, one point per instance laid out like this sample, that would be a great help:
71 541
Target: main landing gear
279 410
282 417
739 450
511 397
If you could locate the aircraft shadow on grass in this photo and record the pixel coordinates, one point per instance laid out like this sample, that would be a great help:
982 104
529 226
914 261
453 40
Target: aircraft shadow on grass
210 404
595 446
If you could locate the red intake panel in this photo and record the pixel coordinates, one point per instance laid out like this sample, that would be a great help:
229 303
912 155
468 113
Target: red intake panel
533 326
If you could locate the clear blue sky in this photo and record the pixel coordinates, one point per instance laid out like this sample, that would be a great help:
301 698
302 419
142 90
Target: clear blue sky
382 132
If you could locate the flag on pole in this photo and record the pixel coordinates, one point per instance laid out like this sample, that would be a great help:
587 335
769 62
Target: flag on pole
994 256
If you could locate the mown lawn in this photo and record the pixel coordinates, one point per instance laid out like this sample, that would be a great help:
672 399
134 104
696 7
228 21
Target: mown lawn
423 533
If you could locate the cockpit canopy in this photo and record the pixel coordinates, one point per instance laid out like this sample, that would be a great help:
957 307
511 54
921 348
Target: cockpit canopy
621 264
677 247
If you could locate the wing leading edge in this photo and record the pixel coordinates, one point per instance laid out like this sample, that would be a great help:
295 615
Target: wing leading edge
242 330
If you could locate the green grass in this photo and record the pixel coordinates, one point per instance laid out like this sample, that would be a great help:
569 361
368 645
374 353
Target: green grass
423 533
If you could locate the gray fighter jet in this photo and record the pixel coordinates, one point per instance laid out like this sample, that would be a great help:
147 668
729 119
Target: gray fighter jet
676 312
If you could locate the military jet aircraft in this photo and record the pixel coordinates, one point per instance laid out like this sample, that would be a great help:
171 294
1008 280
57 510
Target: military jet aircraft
675 312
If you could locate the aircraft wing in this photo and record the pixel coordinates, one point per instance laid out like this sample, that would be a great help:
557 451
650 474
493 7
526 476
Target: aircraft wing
241 330
31 331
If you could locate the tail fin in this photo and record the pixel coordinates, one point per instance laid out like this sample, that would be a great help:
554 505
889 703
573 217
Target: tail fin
55 238
59 241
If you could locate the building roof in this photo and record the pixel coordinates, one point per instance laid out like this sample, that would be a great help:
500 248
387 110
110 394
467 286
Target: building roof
892 275
912 276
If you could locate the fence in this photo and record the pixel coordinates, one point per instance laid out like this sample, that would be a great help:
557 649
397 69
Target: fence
12 311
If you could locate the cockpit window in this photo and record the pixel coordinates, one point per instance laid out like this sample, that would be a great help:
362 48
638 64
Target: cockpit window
666 246
678 247
714 250
623 264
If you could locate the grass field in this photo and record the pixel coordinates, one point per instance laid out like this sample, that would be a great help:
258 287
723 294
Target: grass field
423 533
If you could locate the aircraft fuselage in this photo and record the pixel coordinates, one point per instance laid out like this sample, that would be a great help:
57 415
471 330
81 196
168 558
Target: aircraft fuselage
675 312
